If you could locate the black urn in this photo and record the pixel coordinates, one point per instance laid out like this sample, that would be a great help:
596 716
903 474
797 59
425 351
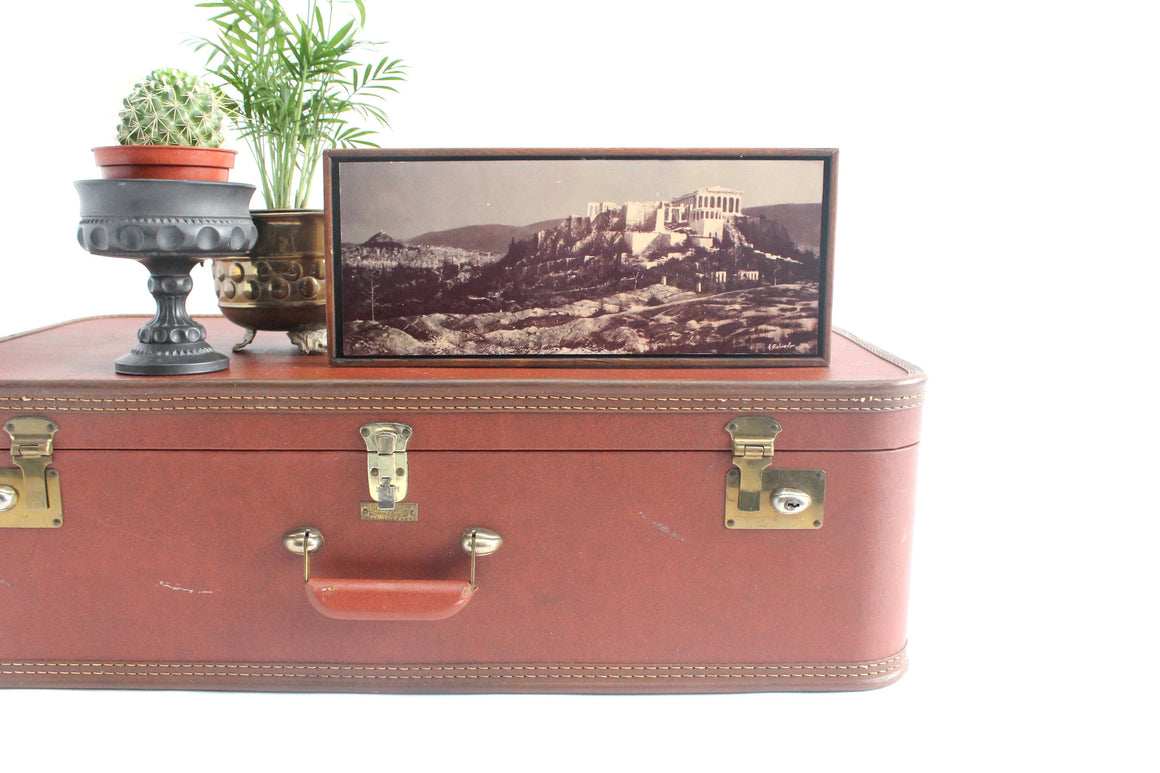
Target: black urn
169 226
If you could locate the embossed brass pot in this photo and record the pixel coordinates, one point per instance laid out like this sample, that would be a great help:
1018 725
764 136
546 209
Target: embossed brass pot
281 284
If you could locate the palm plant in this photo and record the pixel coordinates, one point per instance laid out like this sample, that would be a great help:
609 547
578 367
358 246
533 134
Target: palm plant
290 84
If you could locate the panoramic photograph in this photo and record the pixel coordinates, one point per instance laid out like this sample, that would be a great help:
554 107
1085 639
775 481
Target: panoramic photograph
666 257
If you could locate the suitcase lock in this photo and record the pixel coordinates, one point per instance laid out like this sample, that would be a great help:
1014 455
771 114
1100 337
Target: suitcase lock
759 496
387 473
30 494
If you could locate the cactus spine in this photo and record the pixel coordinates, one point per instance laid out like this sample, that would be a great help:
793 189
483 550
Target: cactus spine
171 107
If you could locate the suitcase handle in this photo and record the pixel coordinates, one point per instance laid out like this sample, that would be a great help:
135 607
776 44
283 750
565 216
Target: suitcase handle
357 599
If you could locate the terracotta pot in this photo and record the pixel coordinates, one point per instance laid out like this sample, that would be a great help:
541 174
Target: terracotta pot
281 284
165 162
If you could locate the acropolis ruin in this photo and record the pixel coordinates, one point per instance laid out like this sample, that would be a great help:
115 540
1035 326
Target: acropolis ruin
699 216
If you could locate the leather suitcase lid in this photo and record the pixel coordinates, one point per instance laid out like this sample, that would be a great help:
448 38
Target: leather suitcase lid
865 400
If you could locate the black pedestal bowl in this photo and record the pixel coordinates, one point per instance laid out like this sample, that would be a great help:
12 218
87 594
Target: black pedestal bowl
169 226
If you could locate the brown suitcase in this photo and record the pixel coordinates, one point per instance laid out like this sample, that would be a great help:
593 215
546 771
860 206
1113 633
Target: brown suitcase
659 533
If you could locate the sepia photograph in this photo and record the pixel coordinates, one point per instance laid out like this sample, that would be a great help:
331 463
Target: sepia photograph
536 255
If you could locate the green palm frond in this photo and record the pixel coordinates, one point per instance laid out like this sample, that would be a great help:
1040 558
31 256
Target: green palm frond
292 84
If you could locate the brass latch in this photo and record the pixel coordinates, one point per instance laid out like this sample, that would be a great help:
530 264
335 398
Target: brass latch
387 473
30 494
759 496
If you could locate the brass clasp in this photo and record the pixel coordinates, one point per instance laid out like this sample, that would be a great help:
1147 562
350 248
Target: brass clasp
753 438
30 494
387 472
760 496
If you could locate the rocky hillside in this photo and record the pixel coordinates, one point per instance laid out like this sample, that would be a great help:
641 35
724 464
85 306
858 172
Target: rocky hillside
655 320
803 222
481 238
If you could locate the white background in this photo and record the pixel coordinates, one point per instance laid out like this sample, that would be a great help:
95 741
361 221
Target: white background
996 225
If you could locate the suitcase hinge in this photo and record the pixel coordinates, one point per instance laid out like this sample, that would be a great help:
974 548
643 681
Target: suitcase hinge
387 472
30 494
759 496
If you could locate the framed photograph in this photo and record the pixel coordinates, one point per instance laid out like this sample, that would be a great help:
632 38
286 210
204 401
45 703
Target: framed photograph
580 257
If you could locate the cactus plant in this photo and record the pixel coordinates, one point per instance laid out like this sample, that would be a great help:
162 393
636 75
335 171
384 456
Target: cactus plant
172 107
171 127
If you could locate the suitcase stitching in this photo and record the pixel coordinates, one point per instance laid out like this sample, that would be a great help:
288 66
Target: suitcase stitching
255 670
894 360
718 404
480 667
364 398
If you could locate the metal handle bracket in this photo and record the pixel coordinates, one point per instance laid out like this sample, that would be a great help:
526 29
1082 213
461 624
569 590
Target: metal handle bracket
397 600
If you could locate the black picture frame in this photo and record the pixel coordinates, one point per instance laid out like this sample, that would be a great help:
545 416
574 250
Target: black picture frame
444 257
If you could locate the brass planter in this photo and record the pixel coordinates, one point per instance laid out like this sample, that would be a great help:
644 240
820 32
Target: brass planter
281 284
